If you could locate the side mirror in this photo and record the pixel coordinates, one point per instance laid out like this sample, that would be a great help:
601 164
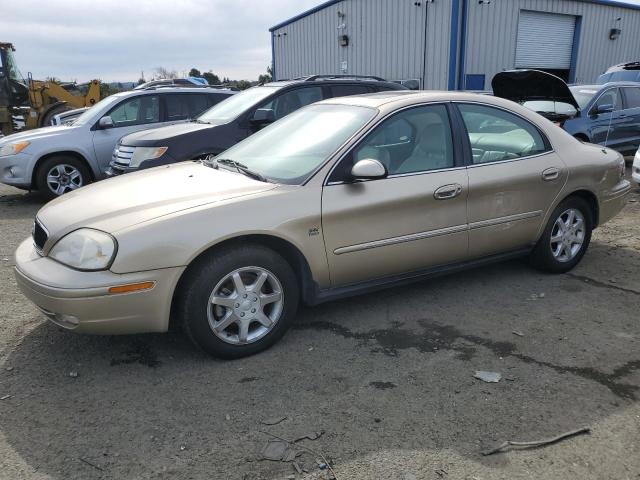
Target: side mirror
368 169
604 108
105 122
263 116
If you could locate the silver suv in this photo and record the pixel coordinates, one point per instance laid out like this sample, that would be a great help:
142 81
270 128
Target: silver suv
58 159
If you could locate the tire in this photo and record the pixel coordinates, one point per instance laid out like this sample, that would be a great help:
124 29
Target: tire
564 254
211 282
48 118
73 174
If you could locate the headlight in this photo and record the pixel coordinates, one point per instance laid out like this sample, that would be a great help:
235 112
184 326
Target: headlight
13 148
85 249
141 154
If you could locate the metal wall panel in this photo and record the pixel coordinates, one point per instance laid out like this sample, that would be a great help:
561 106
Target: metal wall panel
545 40
386 38
493 29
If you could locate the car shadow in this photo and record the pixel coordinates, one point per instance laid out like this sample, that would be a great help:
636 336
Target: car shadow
391 370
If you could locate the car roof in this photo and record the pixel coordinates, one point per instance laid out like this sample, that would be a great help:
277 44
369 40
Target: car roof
609 84
376 100
334 79
624 66
173 89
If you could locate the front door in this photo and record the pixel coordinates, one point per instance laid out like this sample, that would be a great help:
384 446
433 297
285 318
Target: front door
607 127
415 218
513 179
131 115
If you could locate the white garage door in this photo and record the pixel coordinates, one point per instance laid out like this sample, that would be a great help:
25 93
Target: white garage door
545 40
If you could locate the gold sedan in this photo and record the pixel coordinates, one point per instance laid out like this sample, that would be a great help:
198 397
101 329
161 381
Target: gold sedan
340 197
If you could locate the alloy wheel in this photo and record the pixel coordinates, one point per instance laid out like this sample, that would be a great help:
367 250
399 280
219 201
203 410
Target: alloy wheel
63 178
245 305
567 235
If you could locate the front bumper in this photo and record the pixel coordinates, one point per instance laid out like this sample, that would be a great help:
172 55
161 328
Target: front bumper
15 170
80 301
614 201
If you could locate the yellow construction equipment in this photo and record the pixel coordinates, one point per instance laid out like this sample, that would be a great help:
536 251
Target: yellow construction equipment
33 103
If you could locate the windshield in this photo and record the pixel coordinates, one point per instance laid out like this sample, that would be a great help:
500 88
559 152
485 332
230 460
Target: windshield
292 148
583 95
236 104
12 68
88 114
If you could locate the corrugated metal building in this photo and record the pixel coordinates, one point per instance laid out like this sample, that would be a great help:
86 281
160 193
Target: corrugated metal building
457 44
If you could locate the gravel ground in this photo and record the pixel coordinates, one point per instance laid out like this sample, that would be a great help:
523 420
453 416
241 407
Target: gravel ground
388 378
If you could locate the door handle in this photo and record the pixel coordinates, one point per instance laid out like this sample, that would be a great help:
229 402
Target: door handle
447 191
550 174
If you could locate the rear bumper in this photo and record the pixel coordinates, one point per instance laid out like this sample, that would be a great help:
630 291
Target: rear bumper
614 201
80 301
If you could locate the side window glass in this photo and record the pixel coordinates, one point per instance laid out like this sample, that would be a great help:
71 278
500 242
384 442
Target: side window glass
177 106
610 97
412 141
136 111
196 104
291 101
632 96
497 135
346 90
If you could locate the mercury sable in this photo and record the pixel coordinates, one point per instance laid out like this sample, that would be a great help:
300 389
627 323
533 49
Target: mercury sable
344 196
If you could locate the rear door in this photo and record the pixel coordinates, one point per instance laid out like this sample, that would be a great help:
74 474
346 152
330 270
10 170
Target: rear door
130 115
630 125
415 218
514 178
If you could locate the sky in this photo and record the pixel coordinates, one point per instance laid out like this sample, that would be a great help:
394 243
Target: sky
116 40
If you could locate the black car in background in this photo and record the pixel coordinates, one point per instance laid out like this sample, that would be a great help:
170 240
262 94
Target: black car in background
236 118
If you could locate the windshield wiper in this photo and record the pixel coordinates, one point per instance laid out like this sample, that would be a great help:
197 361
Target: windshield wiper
240 168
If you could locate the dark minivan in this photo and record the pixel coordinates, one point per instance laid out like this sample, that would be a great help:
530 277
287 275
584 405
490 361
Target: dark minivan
236 118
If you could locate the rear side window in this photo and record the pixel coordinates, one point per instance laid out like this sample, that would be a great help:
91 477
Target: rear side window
346 90
624 76
181 106
632 97
497 135
215 98
292 100
136 111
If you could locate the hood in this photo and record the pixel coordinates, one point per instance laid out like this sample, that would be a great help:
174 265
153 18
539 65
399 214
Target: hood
37 133
522 86
120 202
156 136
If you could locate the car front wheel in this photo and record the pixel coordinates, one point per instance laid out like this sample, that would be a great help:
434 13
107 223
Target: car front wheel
238 301
61 174
565 238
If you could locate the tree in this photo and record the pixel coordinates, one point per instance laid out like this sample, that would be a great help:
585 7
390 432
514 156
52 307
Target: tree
266 78
162 73
211 78
194 72
242 84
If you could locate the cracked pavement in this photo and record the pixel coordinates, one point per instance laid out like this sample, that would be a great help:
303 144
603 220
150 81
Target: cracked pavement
388 376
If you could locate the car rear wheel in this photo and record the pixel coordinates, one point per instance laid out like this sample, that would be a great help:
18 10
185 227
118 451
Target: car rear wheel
565 238
238 301
61 174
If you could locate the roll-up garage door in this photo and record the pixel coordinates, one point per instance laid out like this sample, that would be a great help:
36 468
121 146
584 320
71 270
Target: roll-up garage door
545 40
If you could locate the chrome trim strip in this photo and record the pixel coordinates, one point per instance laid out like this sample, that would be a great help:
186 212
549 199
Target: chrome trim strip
509 160
402 239
500 220
401 175
385 242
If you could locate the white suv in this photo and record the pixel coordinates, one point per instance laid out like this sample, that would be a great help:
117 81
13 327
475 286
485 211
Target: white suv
58 159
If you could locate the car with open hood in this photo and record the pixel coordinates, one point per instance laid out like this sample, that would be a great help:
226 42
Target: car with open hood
344 196
607 114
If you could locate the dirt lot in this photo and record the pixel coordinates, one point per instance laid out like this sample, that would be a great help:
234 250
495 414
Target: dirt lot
388 377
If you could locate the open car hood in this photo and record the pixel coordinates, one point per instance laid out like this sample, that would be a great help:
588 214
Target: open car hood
522 86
